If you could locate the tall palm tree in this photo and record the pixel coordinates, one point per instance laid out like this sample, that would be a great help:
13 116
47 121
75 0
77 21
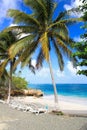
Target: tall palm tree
42 30
6 40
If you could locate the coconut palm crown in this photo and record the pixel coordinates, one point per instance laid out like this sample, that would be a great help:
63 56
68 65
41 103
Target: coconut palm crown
43 30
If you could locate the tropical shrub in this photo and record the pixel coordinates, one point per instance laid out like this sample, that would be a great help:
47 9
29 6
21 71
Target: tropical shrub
19 82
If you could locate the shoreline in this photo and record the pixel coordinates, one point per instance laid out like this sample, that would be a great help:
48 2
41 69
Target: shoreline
66 104
76 99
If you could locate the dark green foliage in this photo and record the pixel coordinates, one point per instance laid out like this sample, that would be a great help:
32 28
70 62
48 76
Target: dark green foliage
56 112
4 79
6 40
81 47
81 53
19 82
84 9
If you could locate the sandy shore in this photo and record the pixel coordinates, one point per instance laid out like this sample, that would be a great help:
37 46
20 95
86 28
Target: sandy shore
66 104
12 119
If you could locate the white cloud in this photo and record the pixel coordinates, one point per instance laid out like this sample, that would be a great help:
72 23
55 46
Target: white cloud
74 4
71 69
33 62
12 25
43 75
5 5
18 30
60 74
44 72
77 39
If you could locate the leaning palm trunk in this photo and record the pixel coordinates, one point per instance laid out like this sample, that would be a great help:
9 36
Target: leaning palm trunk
53 82
10 84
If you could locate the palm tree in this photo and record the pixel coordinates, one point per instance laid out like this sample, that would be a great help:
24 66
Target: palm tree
4 79
6 40
42 31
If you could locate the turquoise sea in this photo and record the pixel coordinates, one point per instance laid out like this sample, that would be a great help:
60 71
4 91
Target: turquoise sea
73 90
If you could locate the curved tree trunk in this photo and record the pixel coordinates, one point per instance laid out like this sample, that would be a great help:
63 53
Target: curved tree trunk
10 83
53 82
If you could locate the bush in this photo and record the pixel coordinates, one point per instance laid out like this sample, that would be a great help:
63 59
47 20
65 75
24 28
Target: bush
19 82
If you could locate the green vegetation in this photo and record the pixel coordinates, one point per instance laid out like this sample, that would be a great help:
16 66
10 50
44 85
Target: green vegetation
6 40
81 47
19 82
59 113
44 32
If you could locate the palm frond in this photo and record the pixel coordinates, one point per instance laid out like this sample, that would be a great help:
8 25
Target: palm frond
26 54
19 45
55 34
60 16
40 59
62 30
2 66
50 6
59 55
25 61
39 10
7 38
67 40
3 47
32 68
65 49
4 37
66 21
21 17
22 29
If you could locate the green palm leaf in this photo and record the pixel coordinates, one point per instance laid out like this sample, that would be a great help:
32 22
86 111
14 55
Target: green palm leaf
62 30
50 6
19 45
66 21
38 7
59 55
25 56
40 59
2 66
60 16
22 29
21 17
39 10
64 47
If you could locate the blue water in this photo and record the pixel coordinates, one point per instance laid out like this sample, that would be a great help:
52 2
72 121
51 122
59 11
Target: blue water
76 90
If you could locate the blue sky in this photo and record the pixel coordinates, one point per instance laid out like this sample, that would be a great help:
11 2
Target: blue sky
43 75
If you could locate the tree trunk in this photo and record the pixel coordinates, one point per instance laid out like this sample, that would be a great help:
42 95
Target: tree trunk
10 83
53 82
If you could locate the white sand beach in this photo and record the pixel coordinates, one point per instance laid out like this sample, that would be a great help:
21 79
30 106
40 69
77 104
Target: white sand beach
66 103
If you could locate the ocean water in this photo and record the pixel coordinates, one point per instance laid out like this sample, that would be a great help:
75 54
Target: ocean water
73 90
